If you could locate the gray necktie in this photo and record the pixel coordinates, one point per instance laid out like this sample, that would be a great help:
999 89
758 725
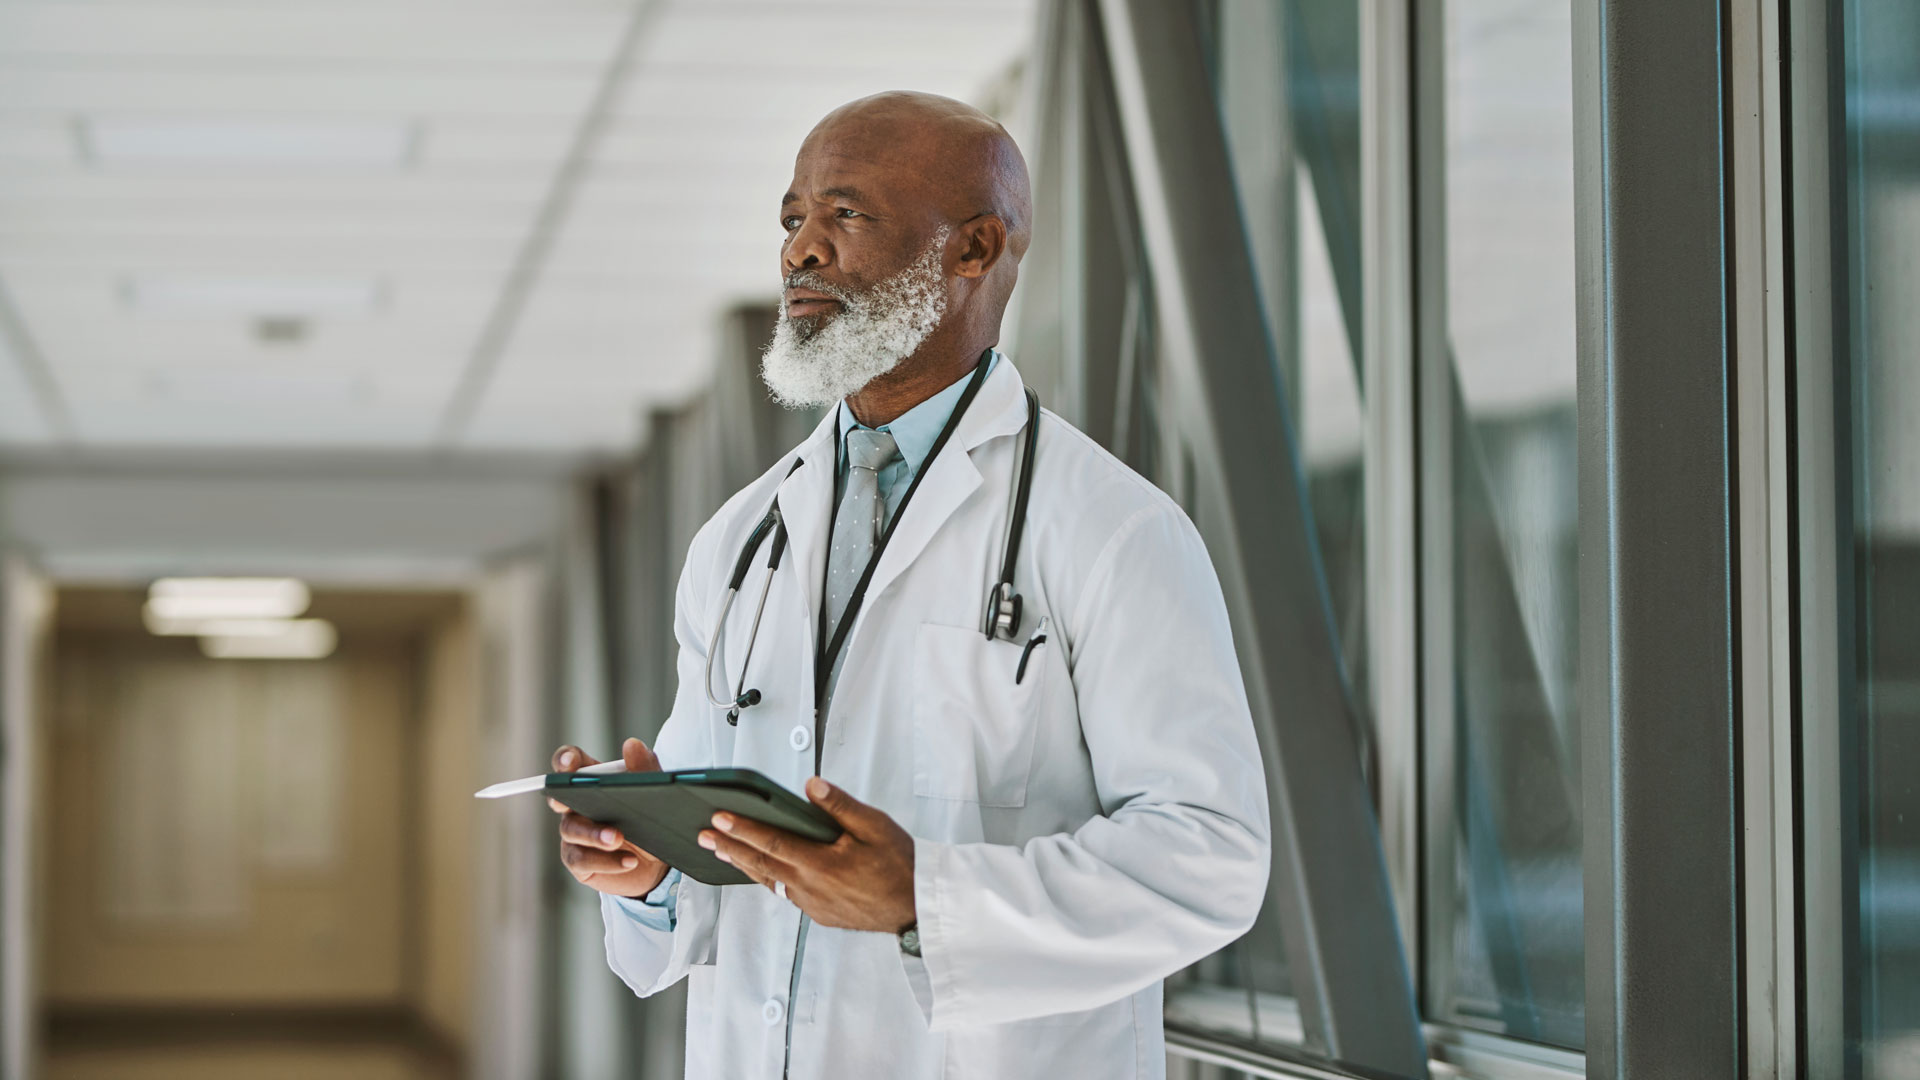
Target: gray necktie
857 524
856 529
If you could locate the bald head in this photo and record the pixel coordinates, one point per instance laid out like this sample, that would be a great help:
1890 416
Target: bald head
895 196
933 161
955 155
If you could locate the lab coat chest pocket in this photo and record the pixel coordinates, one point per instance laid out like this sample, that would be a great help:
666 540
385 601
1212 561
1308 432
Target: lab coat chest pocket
973 726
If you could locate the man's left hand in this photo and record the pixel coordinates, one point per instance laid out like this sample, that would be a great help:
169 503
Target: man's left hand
862 881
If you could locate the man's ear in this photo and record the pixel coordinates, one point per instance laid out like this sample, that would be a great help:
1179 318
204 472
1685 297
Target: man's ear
979 243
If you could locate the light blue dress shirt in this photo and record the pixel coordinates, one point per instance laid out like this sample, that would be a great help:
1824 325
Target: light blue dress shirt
914 433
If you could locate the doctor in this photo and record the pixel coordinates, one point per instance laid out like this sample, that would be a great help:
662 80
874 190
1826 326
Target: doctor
1041 825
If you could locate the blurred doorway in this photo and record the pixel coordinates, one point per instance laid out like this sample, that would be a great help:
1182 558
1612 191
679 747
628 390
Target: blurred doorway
258 867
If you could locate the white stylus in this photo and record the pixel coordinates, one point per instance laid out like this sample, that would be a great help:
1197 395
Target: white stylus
536 783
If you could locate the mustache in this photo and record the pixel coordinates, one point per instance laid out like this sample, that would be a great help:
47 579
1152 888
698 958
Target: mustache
813 279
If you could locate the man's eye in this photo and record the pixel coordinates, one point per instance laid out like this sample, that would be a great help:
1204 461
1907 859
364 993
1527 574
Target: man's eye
848 212
790 223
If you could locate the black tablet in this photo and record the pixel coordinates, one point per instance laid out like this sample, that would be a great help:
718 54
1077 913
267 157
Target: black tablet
663 812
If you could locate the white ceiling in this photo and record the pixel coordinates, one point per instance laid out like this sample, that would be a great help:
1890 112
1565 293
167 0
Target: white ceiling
672 218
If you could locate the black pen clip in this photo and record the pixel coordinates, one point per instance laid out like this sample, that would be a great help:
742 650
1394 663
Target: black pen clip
1039 638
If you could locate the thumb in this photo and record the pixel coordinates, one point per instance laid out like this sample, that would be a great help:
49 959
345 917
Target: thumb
637 757
852 814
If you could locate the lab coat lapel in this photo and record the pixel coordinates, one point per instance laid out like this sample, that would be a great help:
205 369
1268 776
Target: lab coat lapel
806 500
1000 408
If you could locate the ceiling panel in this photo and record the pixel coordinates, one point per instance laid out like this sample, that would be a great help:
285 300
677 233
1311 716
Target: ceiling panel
667 222
155 34
298 91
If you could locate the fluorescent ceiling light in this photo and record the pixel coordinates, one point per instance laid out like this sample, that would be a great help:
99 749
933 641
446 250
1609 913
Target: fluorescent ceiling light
180 599
297 639
189 141
273 297
164 627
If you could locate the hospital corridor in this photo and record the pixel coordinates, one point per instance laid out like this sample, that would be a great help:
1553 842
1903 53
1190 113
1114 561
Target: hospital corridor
240 902
959 540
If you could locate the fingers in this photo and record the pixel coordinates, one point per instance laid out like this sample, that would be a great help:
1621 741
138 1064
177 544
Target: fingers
567 759
853 815
583 861
770 841
772 854
748 864
760 877
578 830
570 758
755 867
638 757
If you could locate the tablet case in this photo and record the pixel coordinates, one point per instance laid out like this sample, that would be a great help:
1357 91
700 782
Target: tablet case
663 812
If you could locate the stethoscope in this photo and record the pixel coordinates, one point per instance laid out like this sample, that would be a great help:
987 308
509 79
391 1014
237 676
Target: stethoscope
1001 618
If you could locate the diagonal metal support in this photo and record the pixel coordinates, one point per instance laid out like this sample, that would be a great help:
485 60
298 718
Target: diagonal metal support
16 339
503 318
1331 890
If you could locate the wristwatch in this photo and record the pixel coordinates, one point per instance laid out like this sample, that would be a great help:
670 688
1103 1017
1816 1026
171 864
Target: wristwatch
910 940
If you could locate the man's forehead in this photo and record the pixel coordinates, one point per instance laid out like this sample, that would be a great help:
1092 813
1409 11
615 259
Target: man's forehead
862 176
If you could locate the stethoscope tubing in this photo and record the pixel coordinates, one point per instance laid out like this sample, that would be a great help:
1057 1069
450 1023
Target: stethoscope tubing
1003 615
775 521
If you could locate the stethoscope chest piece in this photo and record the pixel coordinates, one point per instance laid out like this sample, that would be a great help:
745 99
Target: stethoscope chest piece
745 701
1003 611
1002 619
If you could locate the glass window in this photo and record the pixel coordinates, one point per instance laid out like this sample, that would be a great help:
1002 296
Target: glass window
1287 76
1505 885
1881 179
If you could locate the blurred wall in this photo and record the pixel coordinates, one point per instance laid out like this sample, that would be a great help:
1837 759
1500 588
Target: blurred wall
320 909
447 762
26 604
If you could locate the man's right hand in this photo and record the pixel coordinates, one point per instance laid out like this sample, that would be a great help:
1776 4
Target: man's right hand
597 855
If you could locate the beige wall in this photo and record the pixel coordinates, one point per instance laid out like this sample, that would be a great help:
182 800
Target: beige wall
333 935
450 775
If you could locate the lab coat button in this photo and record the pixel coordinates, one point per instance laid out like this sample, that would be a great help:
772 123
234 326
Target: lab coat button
800 738
772 1011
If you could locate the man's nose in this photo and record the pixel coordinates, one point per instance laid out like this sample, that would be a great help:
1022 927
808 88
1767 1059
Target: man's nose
806 249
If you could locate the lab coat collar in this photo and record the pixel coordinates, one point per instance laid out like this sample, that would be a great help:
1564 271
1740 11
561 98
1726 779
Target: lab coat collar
1000 408
806 497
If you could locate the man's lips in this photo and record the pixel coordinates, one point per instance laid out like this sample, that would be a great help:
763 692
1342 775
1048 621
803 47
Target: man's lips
802 302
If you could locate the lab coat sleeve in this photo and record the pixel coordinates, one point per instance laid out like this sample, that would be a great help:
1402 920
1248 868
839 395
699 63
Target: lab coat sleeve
648 952
1175 865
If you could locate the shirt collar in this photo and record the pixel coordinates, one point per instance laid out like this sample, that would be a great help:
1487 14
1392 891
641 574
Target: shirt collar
915 430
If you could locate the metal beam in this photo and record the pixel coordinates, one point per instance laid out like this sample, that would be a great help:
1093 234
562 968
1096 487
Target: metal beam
1825 554
1335 907
503 318
1657 674
16 339
1387 348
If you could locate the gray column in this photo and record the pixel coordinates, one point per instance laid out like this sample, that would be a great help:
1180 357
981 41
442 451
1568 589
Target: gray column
1659 733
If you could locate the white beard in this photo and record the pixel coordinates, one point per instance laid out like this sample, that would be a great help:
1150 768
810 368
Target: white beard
872 332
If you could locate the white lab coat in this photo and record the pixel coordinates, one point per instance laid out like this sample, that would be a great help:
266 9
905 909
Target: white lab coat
1078 837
